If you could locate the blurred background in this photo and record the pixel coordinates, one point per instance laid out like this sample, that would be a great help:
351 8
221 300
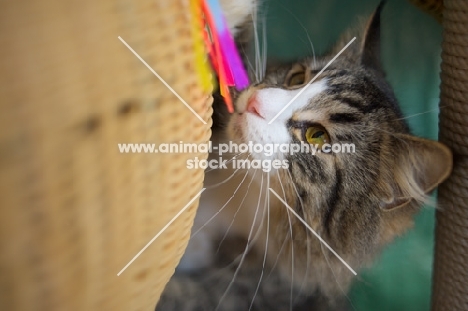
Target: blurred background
401 277
74 211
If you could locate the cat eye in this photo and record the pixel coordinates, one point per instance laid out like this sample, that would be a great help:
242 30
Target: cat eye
296 79
316 135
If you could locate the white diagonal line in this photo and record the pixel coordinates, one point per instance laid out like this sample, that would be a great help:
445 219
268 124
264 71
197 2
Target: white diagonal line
162 80
160 232
312 230
311 81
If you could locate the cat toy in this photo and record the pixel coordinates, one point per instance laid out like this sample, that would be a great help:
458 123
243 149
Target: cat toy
219 45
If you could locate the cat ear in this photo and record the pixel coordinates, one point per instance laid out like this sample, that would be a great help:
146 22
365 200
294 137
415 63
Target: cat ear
370 50
420 166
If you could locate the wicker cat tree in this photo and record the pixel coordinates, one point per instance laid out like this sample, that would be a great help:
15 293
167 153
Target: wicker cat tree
74 210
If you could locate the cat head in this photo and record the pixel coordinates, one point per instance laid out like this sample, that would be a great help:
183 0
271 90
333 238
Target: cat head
359 201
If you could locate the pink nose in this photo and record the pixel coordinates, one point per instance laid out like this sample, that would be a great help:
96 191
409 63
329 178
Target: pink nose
253 106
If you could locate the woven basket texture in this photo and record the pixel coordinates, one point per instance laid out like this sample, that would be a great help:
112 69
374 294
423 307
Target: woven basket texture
74 211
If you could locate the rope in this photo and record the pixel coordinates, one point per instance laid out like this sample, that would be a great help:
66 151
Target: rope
450 280
433 7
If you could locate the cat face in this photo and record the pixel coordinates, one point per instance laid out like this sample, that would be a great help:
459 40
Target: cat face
356 201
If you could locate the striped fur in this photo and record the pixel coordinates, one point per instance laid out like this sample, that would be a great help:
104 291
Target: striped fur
357 202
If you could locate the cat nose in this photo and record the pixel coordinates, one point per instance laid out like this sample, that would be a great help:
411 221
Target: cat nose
253 105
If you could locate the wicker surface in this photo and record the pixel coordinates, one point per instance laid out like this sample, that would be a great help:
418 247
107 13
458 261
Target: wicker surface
450 283
74 211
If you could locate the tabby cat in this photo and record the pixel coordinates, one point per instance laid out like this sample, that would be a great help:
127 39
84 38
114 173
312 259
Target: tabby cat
250 252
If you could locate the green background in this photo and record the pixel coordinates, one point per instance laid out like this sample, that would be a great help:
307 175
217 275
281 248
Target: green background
401 278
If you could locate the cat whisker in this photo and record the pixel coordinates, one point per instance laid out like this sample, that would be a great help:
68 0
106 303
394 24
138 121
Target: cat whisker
399 119
277 257
307 238
229 161
237 211
334 276
267 209
362 135
260 227
421 113
264 47
224 153
313 231
256 45
245 251
224 181
305 30
292 245
249 64
260 51
221 209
